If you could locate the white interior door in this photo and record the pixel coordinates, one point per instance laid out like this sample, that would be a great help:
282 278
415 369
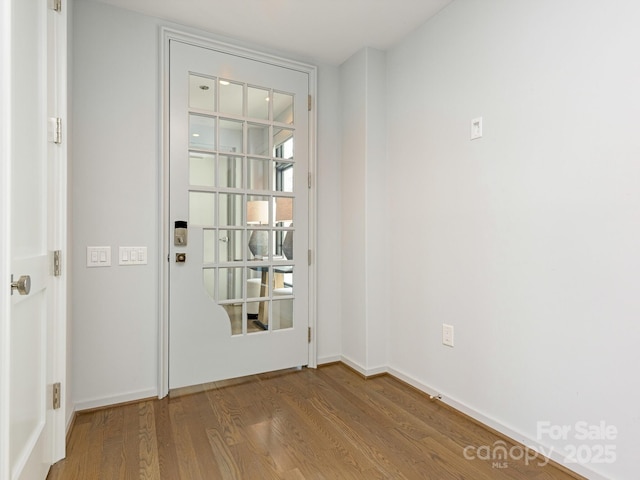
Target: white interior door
238 214
32 434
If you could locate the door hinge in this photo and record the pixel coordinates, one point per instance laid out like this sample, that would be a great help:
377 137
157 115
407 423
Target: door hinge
309 257
56 396
309 335
309 180
56 5
57 263
309 102
55 130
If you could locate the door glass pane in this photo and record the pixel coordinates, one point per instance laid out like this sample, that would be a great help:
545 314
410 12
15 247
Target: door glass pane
230 97
282 280
202 132
257 139
234 311
202 169
282 313
230 136
258 173
202 92
230 209
202 208
283 211
257 210
283 143
283 177
256 287
282 108
231 245
230 283
261 322
230 171
258 103
208 245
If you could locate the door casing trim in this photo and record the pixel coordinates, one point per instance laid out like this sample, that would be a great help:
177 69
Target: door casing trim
166 35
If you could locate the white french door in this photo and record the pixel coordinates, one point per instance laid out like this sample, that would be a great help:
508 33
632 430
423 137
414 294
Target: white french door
32 218
238 216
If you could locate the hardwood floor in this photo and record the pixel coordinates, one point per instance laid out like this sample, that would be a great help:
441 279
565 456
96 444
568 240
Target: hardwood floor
311 424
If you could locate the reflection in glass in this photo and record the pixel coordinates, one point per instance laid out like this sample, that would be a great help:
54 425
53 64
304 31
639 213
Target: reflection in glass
283 143
230 283
230 245
257 139
281 313
234 312
261 322
202 208
283 177
230 138
282 279
202 132
257 210
283 239
202 169
230 97
258 103
208 245
283 108
283 211
202 92
258 174
255 286
230 171
230 209
209 281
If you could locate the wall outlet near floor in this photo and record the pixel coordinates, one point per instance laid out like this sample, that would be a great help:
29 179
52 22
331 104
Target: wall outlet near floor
447 335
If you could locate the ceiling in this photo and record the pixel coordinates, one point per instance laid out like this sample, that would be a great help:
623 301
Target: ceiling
327 31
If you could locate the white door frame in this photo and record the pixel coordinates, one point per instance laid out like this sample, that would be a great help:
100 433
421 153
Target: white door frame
166 35
57 180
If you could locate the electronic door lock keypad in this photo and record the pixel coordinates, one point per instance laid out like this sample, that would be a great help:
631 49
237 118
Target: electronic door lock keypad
180 233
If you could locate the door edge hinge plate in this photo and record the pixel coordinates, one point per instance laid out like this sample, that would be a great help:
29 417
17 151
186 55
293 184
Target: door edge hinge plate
55 130
310 103
309 257
309 335
56 395
57 263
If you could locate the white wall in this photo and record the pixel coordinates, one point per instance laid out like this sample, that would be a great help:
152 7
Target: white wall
365 233
115 196
525 240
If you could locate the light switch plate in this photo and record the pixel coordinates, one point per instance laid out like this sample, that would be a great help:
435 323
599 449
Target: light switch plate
132 256
476 128
98 256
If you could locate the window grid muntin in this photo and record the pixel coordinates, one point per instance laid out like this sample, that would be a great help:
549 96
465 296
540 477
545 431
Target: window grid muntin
273 155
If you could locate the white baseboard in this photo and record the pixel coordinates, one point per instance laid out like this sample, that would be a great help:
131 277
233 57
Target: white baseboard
70 419
115 399
366 372
329 359
556 455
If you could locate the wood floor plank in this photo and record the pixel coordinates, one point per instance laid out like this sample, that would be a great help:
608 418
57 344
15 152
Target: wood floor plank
148 447
322 424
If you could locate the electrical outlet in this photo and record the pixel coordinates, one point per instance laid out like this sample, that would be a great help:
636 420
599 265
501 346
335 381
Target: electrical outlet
447 335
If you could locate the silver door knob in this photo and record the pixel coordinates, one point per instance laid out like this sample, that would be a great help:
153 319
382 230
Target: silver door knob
22 285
